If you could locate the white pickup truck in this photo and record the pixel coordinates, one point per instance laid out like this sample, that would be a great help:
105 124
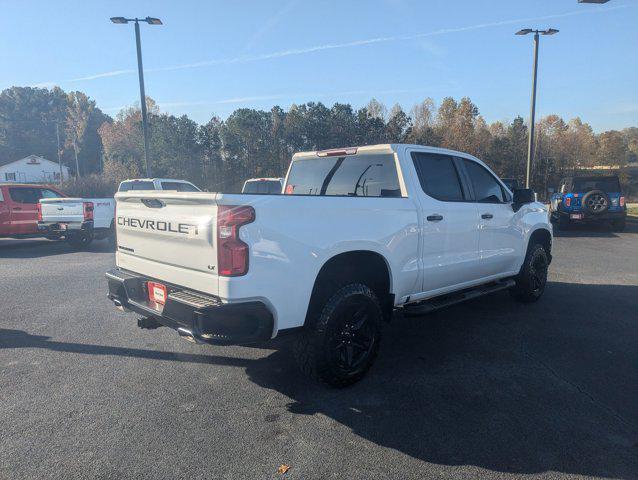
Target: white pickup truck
80 220
357 233
77 220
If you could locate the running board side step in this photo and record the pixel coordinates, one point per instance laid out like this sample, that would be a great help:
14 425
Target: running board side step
443 301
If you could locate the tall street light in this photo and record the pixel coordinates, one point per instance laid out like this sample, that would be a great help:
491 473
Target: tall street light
140 71
530 146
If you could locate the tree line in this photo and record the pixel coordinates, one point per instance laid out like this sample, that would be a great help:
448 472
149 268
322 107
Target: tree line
221 154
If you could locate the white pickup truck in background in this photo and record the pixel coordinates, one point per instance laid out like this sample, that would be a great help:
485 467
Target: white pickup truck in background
81 220
78 220
357 233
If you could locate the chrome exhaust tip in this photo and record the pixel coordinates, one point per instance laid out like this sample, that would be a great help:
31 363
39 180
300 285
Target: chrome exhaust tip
118 304
187 335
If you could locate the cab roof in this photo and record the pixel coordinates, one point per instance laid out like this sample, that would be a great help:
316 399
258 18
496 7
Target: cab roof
379 148
16 184
154 179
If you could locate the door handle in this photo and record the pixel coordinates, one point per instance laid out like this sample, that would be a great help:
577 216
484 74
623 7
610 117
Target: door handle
17 208
435 218
487 216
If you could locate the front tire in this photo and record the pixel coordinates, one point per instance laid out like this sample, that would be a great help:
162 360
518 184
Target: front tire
531 281
340 345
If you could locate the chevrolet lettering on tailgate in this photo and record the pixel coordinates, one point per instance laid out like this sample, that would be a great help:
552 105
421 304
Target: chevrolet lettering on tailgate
157 225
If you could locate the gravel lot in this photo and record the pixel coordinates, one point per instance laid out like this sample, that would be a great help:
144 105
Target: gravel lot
489 389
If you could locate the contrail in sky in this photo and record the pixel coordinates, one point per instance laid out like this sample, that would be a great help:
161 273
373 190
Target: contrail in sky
334 46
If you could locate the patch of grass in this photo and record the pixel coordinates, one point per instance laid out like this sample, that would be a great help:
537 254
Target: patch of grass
632 211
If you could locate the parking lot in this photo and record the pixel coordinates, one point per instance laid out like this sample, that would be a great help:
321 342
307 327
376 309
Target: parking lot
487 389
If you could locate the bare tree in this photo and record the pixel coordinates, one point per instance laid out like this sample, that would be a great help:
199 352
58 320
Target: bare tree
376 109
78 112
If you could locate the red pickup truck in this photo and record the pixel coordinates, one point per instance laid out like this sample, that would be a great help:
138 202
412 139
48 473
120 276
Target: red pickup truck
19 207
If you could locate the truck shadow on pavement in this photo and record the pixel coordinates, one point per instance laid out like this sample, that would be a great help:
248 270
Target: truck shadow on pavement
513 388
37 248
521 389
10 338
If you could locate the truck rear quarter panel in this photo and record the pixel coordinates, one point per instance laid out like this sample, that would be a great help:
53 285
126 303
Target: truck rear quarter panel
294 236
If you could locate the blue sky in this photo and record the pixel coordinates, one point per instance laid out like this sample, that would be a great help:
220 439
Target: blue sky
211 57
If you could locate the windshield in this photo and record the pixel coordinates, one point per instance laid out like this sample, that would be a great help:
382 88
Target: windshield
606 184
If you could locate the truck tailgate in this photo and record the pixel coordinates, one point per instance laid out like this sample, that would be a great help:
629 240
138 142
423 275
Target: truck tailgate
62 209
169 235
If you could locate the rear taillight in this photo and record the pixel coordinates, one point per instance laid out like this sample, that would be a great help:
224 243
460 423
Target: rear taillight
39 207
232 253
88 210
568 201
622 201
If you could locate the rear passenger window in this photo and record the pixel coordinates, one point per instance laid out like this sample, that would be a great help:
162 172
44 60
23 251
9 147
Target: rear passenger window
46 193
366 175
438 176
24 195
486 187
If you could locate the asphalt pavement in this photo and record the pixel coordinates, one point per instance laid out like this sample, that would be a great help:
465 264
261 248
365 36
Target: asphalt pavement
487 389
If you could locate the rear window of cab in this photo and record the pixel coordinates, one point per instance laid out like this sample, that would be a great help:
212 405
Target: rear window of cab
364 175
127 186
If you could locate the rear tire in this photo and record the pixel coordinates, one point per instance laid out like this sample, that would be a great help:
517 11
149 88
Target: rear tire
340 345
563 223
112 239
618 225
80 240
531 281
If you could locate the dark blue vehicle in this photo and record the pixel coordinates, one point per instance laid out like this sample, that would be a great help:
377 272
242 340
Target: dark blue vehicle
591 199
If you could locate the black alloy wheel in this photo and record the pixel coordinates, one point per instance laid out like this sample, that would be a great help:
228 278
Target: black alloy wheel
352 342
538 273
532 279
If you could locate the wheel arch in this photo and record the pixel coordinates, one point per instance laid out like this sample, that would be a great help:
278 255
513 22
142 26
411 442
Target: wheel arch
365 266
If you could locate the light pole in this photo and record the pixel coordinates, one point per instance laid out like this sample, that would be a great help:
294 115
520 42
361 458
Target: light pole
140 71
530 145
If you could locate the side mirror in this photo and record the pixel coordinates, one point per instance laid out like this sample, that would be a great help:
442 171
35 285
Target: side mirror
523 196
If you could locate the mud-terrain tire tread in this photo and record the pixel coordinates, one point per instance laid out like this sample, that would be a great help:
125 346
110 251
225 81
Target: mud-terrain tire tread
523 290
308 350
